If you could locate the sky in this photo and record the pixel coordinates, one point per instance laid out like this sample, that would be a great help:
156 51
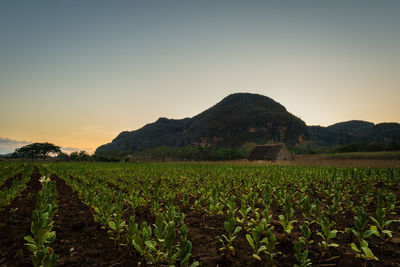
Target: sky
77 73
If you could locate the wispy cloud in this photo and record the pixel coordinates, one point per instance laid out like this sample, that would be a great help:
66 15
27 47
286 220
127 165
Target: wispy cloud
70 149
8 145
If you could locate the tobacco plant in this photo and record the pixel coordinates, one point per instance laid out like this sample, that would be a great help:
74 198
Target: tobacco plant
243 211
308 208
327 233
381 221
301 256
262 240
305 239
42 224
361 233
104 209
231 229
116 223
286 220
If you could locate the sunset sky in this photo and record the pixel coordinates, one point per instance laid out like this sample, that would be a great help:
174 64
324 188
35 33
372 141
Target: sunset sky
77 73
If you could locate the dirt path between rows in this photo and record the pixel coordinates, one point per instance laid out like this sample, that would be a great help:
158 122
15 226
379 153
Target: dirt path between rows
15 223
80 241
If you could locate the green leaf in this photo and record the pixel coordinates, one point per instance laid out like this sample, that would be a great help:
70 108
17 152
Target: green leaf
332 234
228 227
364 243
321 235
375 221
237 230
255 256
112 225
194 264
387 223
250 240
355 248
375 230
137 247
289 228
369 253
31 247
51 237
29 239
368 233
261 249
150 245
388 233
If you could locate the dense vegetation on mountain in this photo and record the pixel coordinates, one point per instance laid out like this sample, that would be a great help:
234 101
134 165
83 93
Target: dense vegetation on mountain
242 119
350 132
236 120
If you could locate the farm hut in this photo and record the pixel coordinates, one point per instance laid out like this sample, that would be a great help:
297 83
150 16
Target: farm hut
129 158
271 152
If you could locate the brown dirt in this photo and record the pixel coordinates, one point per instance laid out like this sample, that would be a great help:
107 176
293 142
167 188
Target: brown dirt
320 160
80 241
314 160
15 222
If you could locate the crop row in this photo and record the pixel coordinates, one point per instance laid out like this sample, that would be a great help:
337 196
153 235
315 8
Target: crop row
266 205
42 235
20 175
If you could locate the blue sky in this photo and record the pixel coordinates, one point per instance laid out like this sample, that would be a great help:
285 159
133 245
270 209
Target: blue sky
76 73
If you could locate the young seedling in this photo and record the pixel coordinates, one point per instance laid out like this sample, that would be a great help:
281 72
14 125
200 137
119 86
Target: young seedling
104 209
262 240
327 234
142 242
305 239
301 256
381 224
244 211
286 221
231 229
360 232
117 224
308 208
391 201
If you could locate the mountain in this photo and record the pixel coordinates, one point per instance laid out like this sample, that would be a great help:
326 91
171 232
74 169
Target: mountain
354 131
237 119
244 117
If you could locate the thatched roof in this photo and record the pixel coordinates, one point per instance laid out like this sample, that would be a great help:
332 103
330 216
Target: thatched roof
271 152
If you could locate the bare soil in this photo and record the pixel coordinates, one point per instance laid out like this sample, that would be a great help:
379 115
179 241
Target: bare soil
15 223
317 160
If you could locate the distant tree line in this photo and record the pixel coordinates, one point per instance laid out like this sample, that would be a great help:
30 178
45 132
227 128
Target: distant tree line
192 153
40 151
311 147
164 153
393 145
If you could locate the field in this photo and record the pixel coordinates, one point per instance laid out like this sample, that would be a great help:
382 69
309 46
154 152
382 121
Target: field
189 214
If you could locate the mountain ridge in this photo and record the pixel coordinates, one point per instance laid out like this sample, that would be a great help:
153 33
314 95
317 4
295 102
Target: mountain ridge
244 117
235 120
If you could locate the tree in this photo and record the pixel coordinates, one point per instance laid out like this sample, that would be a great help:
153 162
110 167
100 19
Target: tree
36 150
80 156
